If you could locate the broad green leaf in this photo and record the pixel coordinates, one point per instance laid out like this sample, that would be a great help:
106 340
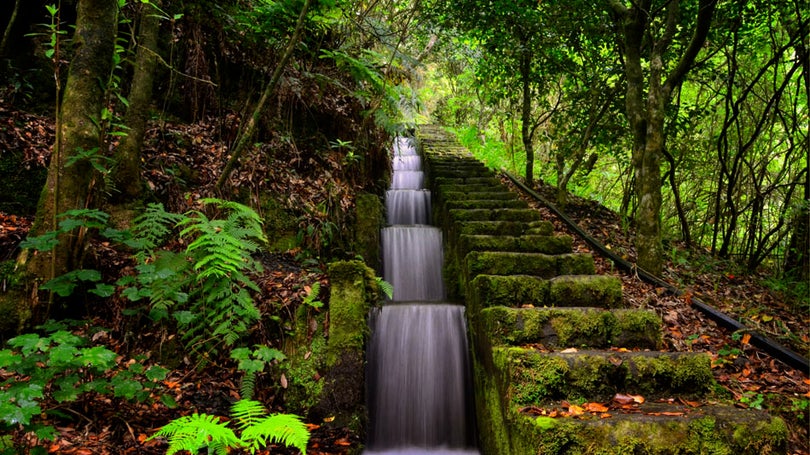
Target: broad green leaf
156 373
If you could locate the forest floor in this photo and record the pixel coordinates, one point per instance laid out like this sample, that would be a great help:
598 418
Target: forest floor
100 424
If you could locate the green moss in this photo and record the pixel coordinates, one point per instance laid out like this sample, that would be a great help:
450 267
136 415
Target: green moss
767 437
507 263
686 373
637 328
369 218
280 225
353 290
704 437
532 378
584 328
511 290
584 290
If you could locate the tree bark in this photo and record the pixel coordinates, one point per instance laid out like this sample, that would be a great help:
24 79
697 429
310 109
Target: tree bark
71 186
646 114
9 26
526 113
127 171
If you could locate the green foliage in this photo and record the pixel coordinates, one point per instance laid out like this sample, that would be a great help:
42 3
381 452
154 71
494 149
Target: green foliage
206 290
253 362
386 287
257 428
62 366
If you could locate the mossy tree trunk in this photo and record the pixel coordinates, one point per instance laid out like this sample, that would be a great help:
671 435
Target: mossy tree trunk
71 182
127 171
647 39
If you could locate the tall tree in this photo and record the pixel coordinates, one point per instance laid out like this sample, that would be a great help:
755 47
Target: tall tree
72 180
657 54
127 171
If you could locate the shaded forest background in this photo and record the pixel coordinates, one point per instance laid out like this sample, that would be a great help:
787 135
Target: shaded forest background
201 161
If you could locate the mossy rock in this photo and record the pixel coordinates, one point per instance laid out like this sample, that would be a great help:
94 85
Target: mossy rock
599 375
711 430
280 226
586 290
369 219
483 204
438 180
525 215
510 228
511 290
572 327
480 195
547 244
535 264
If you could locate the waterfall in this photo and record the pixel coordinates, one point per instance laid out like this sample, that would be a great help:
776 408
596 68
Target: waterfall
419 384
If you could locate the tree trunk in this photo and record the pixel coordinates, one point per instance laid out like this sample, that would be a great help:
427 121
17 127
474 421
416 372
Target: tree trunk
9 26
797 258
646 116
71 186
127 171
526 113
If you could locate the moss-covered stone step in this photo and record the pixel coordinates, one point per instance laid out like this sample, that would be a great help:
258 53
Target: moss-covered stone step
535 378
517 291
656 429
526 215
483 204
548 244
464 187
500 228
536 264
438 180
502 195
571 327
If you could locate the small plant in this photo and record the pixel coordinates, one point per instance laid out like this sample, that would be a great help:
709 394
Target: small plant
386 287
62 366
257 428
753 400
253 362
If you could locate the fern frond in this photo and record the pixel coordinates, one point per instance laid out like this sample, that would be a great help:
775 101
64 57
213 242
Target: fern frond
248 386
286 429
248 412
197 431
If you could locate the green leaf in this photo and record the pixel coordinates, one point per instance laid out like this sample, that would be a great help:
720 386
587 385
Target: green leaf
103 290
30 342
9 359
156 373
185 317
99 357
125 387
169 401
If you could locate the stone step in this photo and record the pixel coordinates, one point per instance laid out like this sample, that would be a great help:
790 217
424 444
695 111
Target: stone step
483 204
500 228
548 244
438 180
464 187
651 428
538 378
535 264
562 291
494 215
501 195
571 327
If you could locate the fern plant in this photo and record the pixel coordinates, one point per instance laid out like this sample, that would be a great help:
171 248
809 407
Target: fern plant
257 427
206 289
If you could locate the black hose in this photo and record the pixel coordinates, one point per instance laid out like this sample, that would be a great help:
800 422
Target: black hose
768 345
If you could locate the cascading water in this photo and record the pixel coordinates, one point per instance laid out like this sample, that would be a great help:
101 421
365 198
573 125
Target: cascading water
418 360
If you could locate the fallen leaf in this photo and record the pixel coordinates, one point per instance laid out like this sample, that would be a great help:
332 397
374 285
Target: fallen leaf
595 407
569 350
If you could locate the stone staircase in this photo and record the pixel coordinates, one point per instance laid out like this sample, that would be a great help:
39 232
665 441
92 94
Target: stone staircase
552 343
